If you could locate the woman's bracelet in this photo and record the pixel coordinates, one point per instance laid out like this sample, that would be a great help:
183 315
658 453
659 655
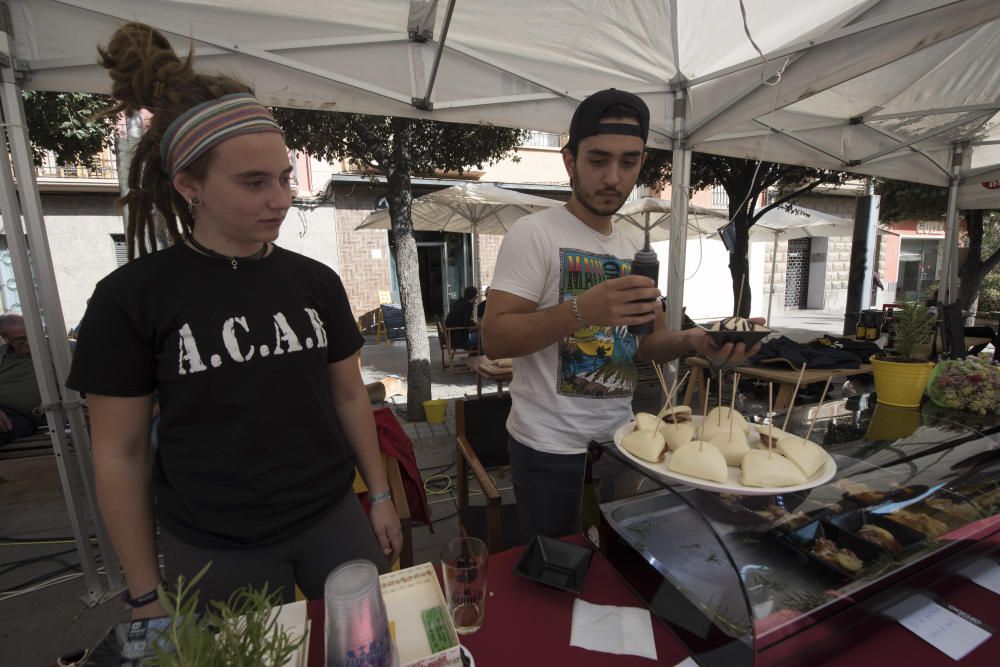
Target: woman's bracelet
576 311
382 497
142 600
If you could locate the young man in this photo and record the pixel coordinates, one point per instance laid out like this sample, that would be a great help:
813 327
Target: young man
561 300
460 315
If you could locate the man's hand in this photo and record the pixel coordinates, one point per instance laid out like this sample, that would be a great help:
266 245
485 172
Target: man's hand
385 523
620 301
702 344
5 423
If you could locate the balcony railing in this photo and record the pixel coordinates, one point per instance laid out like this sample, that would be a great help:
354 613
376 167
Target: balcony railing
104 167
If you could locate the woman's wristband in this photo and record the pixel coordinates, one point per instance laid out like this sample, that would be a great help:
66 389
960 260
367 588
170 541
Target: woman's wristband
142 600
381 497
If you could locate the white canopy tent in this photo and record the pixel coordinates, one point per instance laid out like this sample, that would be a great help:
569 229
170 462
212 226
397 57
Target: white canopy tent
906 89
468 208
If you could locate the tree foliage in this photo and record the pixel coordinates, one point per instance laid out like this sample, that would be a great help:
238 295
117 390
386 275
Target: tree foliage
744 182
67 125
399 148
910 201
368 141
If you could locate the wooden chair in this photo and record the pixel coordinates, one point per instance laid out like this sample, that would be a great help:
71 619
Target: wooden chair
480 424
449 351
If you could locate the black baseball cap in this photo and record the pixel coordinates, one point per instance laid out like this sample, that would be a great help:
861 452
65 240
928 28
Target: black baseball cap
587 117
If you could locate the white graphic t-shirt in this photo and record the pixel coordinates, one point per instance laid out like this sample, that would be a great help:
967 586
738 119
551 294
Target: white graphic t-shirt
580 388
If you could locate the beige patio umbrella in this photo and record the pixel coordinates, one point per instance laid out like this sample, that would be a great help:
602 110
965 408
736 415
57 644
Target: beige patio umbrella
467 208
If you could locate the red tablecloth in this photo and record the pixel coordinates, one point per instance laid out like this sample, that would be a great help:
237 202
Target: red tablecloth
529 624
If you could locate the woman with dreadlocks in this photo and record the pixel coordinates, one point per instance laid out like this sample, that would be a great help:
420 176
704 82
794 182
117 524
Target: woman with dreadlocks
250 348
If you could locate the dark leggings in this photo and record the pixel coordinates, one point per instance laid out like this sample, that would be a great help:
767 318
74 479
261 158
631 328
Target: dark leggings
21 426
548 489
306 559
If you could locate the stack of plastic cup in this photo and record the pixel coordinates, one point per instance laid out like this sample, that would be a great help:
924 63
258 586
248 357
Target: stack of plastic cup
357 628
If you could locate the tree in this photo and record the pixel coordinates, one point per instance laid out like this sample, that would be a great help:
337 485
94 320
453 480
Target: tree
399 148
908 201
65 124
744 181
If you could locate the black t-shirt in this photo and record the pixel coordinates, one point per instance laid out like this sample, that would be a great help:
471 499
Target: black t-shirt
460 315
250 450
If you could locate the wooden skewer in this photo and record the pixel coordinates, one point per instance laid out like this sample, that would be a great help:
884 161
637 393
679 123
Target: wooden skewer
704 407
732 405
670 394
795 393
818 408
719 401
659 376
770 418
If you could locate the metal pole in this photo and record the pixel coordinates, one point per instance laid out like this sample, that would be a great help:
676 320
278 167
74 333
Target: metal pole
124 149
679 192
51 356
862 253
948 290
425 101
774 265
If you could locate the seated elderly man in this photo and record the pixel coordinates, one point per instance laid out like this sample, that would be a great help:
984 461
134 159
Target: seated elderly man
19 392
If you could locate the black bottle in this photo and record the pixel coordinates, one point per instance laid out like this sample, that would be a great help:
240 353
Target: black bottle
645 264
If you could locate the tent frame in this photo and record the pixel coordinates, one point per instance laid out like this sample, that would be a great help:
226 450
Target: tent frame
50 354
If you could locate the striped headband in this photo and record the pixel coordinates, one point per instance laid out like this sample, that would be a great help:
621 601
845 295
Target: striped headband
202 127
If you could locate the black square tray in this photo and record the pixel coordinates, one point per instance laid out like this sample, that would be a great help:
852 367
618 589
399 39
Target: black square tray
801 540
554 563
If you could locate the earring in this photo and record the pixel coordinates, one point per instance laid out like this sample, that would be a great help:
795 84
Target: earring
195 201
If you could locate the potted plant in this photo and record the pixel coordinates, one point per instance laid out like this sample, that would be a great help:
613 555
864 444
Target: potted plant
900 373
242 632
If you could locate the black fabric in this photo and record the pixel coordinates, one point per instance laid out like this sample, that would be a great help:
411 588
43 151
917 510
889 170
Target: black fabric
460 315
815 354
486 428
548 489
587 117
21 426
250 450
481 310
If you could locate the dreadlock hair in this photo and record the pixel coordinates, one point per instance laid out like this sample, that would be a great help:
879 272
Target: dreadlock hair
146 73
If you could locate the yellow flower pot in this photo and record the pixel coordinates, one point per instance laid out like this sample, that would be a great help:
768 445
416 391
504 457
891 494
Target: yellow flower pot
890 423
901 384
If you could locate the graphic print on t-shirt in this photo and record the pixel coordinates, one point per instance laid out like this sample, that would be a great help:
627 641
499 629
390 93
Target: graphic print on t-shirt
232 334
594 362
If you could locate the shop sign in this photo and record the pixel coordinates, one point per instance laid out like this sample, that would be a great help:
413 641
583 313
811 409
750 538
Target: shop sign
930 227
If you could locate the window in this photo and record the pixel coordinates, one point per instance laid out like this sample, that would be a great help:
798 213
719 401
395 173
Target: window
537 139
121 249
719 197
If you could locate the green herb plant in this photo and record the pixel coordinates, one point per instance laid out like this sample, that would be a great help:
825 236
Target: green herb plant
912 325
241 632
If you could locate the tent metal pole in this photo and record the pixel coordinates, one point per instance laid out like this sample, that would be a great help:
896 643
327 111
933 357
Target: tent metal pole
50 354
679 193
124 150
774 265
425 101
948 292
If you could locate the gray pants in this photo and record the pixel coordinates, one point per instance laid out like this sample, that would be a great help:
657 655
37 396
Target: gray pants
306 559
548 489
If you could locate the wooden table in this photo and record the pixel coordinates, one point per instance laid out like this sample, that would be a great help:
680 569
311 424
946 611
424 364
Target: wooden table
484 367
784 377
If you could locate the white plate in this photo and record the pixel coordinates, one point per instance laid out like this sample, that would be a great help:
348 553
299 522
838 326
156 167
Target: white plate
732 484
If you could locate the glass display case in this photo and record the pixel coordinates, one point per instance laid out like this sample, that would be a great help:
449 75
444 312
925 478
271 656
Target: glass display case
768 579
